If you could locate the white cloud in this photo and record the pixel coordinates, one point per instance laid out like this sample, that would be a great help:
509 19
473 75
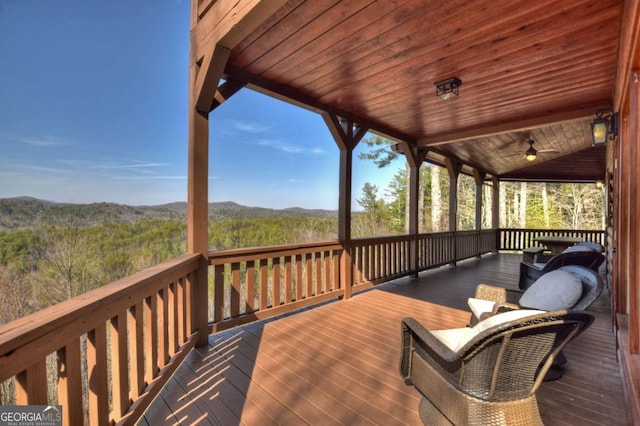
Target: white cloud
134 166
46 142
249 127
281 146
318 151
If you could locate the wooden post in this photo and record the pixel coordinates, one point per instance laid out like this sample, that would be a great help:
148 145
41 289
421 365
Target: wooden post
414 193
624 209
453 167
197 214
633 234
415 157
214 33
479 177
347 135
495 209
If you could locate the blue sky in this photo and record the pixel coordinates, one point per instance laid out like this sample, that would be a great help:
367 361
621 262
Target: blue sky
93 107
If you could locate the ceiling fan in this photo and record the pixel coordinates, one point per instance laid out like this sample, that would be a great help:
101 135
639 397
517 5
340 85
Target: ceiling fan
531 153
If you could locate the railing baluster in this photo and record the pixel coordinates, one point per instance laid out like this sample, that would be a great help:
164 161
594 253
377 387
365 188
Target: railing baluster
276 281
218 293
136 349
235 289
31 385
337 285
308 275
298 277
366 263
70 382
180 311
326 272
119 371
163 332
288 296
97 374
318 273
152 338
250 284
172 345
264 285
188 283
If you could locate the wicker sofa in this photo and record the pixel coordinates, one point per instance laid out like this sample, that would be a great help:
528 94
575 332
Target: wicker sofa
530 272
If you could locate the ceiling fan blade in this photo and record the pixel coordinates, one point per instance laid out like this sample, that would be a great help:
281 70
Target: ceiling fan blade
548 150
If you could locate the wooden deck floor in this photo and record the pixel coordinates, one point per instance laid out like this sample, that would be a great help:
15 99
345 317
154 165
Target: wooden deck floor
338 363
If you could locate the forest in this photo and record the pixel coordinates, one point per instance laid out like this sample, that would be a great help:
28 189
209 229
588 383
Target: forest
50 252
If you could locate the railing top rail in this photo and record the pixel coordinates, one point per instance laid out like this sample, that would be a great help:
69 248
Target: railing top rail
88 310
552 230
443 234
268 250
382 239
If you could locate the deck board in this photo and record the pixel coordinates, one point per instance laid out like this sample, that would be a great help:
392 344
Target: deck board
338 363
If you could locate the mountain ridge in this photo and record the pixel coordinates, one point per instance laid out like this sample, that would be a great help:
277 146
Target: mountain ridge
27 212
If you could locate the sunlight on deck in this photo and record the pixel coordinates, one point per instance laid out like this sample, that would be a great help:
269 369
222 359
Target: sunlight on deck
338 363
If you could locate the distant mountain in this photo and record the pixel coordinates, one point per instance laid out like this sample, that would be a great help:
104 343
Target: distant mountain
26 212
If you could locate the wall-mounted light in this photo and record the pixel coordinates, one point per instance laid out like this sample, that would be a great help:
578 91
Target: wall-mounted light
447 89
604 127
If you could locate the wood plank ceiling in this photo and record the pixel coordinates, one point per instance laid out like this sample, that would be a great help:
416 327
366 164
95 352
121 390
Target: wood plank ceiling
530 70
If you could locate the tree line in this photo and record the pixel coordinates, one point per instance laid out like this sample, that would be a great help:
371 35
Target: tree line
62 253
521 204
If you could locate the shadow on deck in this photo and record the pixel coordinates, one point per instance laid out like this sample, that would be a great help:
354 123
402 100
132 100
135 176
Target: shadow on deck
338 363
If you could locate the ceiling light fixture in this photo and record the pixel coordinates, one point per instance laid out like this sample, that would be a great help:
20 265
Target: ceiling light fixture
447 89
604 127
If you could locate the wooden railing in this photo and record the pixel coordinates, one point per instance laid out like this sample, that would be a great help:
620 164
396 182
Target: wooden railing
258 283
435 250
105 355
381 259
519 239
122 340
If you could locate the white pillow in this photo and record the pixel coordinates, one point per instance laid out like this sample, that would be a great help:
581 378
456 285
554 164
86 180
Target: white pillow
480 306
576 248
456 338
553 291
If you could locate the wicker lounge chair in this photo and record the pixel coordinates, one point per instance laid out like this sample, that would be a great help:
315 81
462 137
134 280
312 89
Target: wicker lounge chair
491 378
530 272
550 292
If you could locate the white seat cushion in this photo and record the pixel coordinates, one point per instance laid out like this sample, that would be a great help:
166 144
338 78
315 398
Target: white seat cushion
456 338
553 291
